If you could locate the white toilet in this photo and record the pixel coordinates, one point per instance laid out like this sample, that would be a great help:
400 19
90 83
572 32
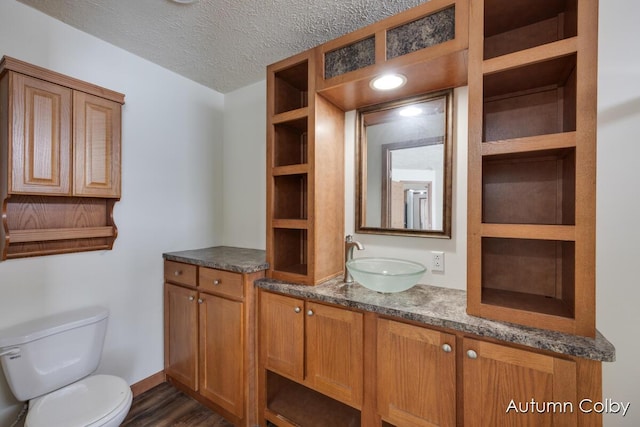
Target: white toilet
48 362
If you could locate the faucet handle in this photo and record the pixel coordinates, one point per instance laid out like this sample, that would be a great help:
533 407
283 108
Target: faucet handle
348 239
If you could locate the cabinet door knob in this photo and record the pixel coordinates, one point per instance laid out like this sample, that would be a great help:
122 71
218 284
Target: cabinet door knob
191 298
472 354
297 310
216 281
446 348
177 273
200 300
310 313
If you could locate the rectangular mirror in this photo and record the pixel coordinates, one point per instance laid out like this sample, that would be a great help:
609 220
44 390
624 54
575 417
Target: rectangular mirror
404 154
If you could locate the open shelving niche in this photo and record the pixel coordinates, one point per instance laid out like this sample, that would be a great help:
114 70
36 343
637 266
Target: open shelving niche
288 157
531 158
305 141
290 403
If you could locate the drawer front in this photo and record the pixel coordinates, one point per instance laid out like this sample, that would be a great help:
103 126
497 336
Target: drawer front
178 272
221 282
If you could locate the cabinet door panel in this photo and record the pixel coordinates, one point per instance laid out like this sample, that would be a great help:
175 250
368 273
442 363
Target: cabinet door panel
501 384
181 334
416 377
96 145
334 352
282 334
221 352
41 148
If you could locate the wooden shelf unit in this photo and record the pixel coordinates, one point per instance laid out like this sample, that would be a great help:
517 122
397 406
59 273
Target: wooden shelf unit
532 152
45 225
305 176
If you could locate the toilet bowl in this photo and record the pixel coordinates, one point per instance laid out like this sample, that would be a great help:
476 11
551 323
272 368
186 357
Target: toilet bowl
95 401
49 362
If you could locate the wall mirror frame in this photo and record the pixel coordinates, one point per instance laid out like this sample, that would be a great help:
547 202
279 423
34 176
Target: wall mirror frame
404 167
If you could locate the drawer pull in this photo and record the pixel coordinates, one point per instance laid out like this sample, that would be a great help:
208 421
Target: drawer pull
177 273
446 348
216 281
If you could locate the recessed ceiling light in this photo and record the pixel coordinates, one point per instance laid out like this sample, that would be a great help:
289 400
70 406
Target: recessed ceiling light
388 82
184 1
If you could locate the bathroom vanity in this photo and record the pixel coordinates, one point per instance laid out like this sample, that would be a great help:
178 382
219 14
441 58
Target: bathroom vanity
340 354
209 326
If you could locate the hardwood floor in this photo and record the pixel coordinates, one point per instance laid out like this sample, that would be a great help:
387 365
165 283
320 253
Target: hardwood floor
164 406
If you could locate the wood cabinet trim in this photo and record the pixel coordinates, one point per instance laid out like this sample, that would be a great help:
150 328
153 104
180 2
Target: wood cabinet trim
9 63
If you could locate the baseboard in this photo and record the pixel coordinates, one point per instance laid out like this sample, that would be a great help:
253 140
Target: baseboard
148 383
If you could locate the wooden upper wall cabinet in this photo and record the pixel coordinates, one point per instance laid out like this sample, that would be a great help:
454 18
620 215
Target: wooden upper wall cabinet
60 165
63 141
96 137
40 151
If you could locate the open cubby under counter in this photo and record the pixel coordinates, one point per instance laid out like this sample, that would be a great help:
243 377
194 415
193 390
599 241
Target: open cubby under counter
292 404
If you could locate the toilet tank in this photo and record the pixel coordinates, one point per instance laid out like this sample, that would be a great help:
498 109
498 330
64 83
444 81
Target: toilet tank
48 353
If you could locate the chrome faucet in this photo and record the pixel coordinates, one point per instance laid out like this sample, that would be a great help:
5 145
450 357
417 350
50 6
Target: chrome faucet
349 244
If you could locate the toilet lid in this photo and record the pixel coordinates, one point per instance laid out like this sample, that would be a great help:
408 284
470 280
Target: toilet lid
79 404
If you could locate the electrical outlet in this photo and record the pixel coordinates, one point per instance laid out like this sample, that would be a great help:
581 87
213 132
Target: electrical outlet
437 261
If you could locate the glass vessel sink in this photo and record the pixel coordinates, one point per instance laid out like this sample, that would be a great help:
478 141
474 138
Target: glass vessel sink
385 275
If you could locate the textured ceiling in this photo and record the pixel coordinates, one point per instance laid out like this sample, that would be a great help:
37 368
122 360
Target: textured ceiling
222 44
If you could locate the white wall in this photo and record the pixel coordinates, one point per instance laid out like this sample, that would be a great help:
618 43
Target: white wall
171 191
245 162
618 202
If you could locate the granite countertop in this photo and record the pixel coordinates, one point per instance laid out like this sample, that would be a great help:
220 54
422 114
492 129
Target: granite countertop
446 308
239 260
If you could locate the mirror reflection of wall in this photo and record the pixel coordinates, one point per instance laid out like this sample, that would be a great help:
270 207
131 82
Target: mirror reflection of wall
404 173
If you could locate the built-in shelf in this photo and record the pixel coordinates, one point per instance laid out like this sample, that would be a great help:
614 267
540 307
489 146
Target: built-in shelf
536 188
529 274
292 404
529 144
305 171
291 88
531 220
531 100
290 251
513 26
